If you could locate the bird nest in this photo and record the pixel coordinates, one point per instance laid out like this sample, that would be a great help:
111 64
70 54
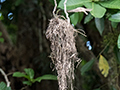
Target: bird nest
64 54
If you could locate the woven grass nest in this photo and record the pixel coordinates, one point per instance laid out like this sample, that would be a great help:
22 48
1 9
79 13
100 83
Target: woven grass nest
64 54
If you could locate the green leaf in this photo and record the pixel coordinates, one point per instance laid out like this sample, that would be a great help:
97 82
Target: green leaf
87 66
1 40
72 4
88 18
99 22
103 66
2 86
112 4
97 10
27 82
118 41
46 77
19 74
80 17
29 72
115 17
114 24
74 18
1 16
8 88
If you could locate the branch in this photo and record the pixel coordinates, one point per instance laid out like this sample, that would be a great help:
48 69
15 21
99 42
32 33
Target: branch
54 8
80 9
66 11
5 76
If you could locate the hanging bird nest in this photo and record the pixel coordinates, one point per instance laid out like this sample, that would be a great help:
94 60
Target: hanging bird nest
64 54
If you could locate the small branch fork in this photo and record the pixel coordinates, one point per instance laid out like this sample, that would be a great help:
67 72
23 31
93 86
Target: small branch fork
5 76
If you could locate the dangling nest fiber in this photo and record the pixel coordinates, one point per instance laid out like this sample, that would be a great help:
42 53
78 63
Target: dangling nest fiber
64 53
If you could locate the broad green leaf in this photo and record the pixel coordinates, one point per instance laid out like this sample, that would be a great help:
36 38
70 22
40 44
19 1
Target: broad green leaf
8 88
46 77
0 33
1 16
97 10
80 17
88 18
72 4
1 40
114 24
99 22
27 82
112 4
117 54
87 66
19 74
115 17
74 18
2 86
29 72
118 41
103 66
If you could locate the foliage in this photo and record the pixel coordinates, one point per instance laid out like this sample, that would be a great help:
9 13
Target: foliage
3 86
118 41
98 11
29 75
103 66
87 66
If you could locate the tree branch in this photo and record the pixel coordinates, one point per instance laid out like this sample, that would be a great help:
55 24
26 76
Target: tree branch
5 76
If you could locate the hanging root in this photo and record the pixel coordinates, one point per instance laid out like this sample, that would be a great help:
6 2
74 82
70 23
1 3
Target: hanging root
64 53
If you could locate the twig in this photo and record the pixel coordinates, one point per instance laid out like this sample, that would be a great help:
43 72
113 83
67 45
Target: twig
81 33
65 10
54 8
5 76
80 9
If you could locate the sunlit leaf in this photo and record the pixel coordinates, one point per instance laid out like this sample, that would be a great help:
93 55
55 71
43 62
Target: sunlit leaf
74 18
97 10
19 74
115 17
1 16
99 22
113 4
46 77
87 66
72 4
29 72
103 66
118 41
